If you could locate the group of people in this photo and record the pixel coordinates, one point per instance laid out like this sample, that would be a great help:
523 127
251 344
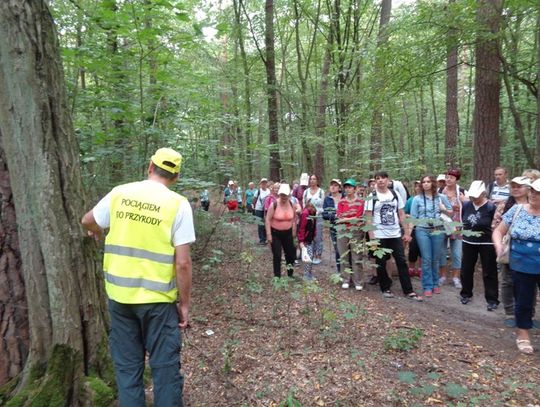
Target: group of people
443 227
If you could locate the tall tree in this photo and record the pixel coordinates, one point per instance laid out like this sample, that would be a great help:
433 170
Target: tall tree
271 89
452 115
538 91
487 88
376 121
66 311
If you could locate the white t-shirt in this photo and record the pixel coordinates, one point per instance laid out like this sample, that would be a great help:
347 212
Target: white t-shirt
385 215
317 199
182 231
500 193
261 195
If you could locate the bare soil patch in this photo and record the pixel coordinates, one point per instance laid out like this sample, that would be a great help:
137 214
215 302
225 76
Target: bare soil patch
254 341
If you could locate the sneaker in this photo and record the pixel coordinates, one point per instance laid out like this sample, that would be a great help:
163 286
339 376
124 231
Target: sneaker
345 286
436 290
373 280
442 280
296 263
316 261
510 322
457 283
465 300
359 287
262 243
492 306
428 293
388 294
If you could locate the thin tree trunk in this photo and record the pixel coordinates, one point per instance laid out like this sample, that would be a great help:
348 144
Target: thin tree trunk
376 121
270 64
451 130
320 121
66 309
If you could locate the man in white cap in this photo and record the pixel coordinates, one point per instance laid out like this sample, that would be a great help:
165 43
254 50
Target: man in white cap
147 268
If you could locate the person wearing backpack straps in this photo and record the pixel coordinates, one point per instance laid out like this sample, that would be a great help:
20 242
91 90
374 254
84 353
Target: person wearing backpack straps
280 226
258 207
315 195
385 212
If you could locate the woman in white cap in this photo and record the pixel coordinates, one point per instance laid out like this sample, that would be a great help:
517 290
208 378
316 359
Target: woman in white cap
477 214
519 191
524 224
280 230
315 195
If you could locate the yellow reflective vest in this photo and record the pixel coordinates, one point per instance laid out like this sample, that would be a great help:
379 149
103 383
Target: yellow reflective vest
139 255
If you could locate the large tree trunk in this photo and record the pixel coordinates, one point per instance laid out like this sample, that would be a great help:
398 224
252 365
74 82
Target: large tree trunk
270 63
452 116
320 121
487 88
13 314
66 311
376 121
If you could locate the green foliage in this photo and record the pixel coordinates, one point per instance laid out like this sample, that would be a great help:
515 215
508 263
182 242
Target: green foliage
403 339
407 377
455 391
101 394
290 400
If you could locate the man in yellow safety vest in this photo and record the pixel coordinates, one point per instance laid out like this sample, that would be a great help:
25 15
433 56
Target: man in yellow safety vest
147 270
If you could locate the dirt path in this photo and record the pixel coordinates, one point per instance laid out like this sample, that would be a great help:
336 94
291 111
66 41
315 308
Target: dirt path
258 342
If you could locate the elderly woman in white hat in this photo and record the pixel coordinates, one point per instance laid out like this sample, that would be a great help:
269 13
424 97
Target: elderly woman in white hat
477 214
523 221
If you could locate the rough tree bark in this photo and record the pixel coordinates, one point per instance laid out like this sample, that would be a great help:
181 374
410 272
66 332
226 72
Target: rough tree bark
13 309
66 310
270 64
452 116
487 88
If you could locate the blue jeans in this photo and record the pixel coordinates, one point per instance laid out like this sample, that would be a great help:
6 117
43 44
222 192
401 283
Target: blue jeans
456 252
318 241
430 245
524 294
135 330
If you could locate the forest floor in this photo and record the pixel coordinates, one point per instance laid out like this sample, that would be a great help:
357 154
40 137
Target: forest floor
255 341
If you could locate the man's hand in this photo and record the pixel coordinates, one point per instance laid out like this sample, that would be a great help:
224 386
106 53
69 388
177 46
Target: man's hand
96 234
183 315
406 238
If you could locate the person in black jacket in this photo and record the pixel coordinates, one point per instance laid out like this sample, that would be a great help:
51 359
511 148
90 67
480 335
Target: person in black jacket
329 214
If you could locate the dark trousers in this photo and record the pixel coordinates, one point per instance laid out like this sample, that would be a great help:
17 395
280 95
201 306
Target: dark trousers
283 239
140 328
524 295
261 230
489 270
398 252
333 237
414 251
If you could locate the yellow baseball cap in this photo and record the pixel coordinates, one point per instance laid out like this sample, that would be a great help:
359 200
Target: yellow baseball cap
167 159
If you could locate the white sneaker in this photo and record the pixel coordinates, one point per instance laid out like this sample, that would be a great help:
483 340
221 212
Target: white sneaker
359 287
442 280
345 286
316 261
457 283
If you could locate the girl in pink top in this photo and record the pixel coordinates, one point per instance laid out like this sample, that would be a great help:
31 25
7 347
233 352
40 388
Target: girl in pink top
349 215
280 226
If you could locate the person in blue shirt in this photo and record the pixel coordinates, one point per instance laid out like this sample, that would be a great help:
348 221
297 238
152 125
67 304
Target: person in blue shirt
523 221
427 208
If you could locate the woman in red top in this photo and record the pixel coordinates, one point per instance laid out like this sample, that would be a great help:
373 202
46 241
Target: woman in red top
280 230
349 214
